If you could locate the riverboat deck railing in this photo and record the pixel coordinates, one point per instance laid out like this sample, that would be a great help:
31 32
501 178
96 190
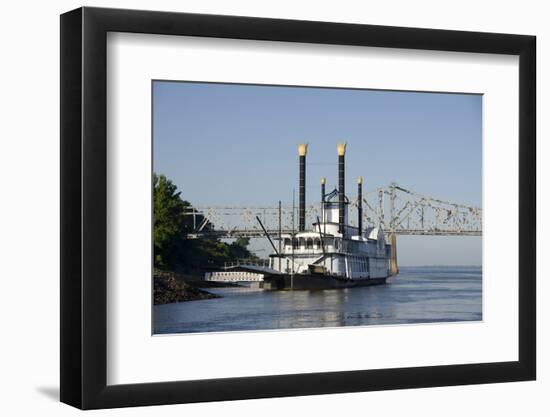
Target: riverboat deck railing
263 263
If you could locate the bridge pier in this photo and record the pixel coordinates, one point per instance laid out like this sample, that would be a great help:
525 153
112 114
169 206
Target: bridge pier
394 269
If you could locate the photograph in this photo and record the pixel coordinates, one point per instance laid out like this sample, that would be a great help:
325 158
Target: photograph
288 204
279 207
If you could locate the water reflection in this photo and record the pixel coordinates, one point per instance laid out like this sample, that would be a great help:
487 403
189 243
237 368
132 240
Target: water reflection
418 295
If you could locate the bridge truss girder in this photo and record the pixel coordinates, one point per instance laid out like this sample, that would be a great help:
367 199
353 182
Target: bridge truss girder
394 208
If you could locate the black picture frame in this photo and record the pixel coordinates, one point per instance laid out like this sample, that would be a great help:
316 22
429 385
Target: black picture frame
84 207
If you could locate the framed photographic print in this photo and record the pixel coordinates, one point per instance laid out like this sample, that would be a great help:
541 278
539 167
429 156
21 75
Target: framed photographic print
257 207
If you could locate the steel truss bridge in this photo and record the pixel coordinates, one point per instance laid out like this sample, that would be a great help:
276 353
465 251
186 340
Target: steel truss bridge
397 210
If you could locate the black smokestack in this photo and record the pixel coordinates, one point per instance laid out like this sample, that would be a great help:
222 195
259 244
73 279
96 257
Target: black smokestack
360 206
323 181
302 151
341 187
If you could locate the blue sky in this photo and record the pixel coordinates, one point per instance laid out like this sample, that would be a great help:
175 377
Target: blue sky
228 144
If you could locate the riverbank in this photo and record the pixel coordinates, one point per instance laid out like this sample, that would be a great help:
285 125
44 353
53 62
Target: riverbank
169 287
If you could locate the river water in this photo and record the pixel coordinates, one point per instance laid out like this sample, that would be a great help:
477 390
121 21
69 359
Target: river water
416 295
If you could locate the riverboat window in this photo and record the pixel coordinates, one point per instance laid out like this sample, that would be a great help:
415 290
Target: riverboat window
295 243
287 242
317 242
309 243
301 242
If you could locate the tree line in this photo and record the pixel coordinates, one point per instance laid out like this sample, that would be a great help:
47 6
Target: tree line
171 226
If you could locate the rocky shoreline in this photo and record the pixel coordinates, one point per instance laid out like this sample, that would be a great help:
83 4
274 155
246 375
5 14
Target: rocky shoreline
169 287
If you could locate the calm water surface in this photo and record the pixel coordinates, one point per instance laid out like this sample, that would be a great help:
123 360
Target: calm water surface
416 295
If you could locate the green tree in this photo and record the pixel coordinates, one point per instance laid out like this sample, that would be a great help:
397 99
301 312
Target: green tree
169 220
239 248
171 227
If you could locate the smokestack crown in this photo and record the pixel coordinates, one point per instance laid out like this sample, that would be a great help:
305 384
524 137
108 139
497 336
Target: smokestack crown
323 181
302 149
341 147
359 180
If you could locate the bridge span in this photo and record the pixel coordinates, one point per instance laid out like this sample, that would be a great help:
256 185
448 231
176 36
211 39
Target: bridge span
397 210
